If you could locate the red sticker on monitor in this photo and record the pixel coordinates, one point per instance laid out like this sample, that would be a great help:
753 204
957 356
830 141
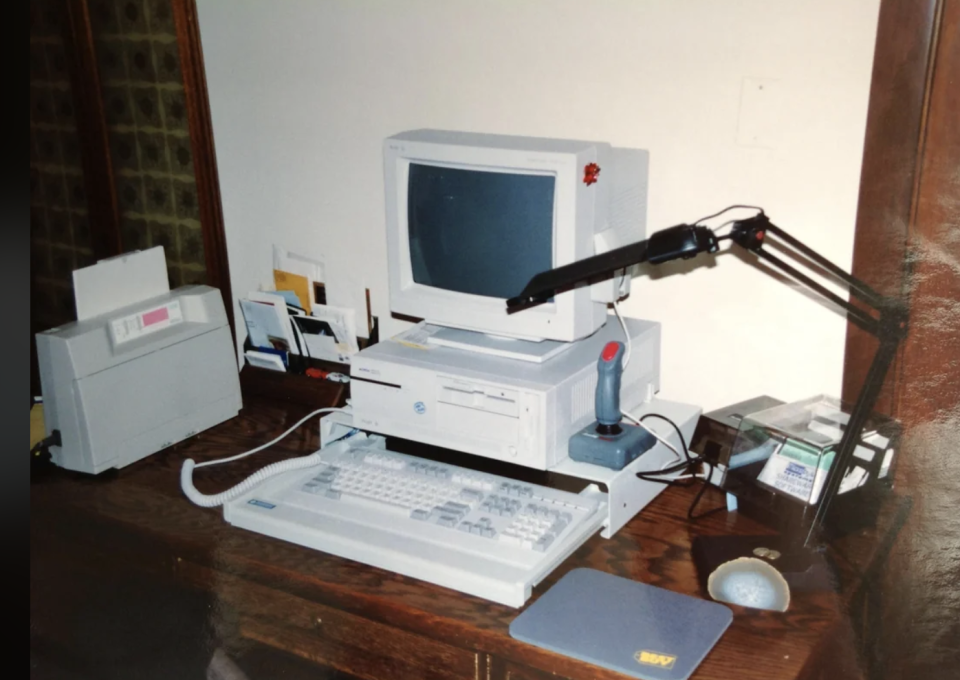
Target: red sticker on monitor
590 173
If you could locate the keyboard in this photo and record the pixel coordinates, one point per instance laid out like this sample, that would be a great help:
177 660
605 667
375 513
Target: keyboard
476 533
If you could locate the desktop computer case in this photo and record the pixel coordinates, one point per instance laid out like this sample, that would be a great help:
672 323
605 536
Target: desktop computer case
505 409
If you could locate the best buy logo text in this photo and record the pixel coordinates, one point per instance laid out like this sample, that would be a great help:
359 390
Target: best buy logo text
655 659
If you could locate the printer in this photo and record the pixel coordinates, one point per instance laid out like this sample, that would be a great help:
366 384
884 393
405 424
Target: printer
142 368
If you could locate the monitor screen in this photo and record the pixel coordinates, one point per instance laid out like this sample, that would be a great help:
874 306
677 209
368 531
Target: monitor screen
479 232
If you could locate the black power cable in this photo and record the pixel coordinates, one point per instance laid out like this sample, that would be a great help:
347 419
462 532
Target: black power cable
653 475
44 444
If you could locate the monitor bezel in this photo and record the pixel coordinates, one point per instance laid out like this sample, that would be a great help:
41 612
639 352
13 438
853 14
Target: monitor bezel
569 316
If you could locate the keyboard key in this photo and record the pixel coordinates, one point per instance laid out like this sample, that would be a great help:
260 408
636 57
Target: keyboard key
509 539
543 543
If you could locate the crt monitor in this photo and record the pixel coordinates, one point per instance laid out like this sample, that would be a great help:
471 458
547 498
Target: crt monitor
472 217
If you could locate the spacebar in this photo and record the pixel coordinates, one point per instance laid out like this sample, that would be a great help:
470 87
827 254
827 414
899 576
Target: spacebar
375 504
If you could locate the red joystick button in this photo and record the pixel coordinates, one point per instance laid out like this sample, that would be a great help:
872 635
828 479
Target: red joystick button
610 351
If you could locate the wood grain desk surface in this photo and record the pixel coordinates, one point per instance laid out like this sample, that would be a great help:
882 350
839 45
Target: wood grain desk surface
354 617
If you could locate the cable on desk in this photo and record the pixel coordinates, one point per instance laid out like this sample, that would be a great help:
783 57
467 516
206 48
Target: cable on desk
210 501
639 422
677 467
653 475
46 443
683 443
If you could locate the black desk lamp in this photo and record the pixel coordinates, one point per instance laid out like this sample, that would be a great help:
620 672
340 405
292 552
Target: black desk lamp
885 318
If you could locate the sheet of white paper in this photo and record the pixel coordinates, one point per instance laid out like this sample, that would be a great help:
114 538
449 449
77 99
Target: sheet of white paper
345 288
322 347
263 360
856 477
342 322
120 281
258 318
276 319
885 465
417 337
877 440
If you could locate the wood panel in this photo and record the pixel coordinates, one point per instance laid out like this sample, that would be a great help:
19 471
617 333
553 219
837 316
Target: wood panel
902 67
332 637
92 128
284 386
931 356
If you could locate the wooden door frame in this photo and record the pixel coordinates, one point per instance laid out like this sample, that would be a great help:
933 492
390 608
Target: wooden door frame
903 67
204 152
102 206
95 152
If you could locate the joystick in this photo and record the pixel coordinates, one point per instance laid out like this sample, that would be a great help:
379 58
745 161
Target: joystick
608 441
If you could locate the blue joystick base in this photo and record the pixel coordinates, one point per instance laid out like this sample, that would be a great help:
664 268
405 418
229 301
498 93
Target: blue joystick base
614 451
606 441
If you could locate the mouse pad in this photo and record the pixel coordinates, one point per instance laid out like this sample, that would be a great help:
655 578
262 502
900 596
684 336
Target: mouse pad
629 627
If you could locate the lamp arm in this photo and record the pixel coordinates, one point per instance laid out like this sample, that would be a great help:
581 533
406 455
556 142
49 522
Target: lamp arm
682 241
685 241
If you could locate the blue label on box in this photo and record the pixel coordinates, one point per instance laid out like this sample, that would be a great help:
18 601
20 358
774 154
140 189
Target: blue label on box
795 470
261 504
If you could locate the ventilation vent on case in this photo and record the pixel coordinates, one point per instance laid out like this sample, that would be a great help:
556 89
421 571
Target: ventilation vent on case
627 203
583 396
629 197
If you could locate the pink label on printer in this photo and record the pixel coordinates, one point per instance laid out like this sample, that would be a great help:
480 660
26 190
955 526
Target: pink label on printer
137 325
156 316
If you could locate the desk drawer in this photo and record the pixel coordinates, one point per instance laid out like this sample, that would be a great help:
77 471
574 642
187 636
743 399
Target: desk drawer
330 637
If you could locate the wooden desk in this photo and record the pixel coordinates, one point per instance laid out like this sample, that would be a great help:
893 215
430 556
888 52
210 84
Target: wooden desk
376 624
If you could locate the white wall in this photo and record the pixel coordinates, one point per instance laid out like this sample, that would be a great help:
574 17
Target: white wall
303 92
